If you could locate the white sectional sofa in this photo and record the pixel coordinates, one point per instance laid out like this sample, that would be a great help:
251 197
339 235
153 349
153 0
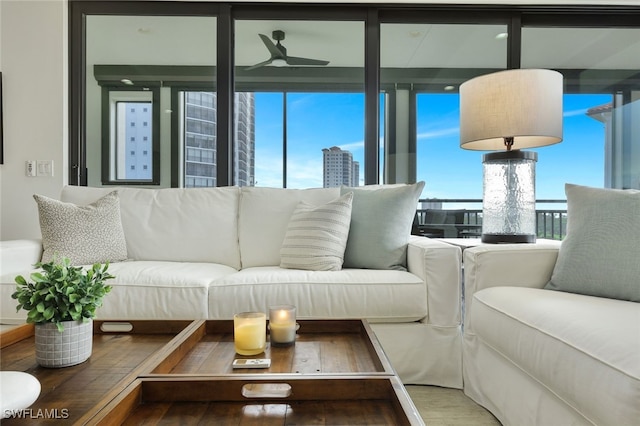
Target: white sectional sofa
552 331
209 253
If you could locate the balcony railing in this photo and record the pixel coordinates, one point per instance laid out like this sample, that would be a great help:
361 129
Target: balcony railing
440 222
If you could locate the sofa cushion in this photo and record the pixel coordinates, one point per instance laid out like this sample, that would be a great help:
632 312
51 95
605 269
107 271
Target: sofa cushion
317 235
85 234
264 216
173 224
599 255
381 220
583 349
160 290
380 296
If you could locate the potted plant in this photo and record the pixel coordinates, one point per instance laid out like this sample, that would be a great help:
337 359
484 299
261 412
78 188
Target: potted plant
61 302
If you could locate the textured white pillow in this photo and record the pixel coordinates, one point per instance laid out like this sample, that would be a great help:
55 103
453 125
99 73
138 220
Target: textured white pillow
317 236
85 234
600 256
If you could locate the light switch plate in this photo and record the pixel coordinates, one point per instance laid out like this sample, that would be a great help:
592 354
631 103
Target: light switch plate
45 167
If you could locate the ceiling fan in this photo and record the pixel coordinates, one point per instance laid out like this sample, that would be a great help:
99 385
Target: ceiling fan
279 57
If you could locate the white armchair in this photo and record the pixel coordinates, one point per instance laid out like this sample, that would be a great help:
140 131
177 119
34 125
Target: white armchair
535 356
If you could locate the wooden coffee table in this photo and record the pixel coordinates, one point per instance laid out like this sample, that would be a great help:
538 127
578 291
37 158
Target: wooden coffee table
336 373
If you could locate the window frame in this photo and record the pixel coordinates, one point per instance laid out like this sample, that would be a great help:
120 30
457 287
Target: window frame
110 97
373 15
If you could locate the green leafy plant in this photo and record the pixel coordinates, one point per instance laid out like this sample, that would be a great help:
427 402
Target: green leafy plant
62 292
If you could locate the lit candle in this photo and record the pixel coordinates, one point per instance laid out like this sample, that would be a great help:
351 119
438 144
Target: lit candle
282 324
249 333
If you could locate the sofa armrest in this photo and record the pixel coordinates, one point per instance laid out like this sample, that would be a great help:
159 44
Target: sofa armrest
18 256
507 265
439 265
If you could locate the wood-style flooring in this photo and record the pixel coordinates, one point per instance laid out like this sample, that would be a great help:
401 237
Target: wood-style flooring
449 407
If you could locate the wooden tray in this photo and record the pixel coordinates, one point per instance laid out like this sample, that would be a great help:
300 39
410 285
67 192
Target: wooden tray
322 347
264 400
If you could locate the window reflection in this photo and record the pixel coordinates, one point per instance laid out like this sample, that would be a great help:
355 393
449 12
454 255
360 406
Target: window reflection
601 99
144 53
308 97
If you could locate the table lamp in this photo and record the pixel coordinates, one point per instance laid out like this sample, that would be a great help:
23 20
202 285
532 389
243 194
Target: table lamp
505 112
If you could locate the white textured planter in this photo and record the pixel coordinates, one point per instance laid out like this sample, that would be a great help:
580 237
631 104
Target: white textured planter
71 347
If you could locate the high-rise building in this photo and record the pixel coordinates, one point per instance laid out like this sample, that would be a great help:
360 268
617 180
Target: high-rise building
339 168
138 152
244 129
200 156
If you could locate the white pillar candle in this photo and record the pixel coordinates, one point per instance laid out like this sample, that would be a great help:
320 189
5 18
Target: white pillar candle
249 333
282 324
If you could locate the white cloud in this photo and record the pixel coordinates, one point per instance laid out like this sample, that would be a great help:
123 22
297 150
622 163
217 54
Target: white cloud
301 172
304 173
438 133
353 146
268 170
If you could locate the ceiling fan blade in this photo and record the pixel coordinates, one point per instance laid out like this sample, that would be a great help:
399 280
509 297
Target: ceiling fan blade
261 64
292 60
273 49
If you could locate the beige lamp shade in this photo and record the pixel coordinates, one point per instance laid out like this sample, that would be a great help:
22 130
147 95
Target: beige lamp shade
525 104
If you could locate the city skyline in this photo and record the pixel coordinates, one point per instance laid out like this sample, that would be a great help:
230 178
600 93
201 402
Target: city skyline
448 170
317 121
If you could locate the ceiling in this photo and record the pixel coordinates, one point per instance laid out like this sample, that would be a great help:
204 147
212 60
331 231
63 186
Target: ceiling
166 40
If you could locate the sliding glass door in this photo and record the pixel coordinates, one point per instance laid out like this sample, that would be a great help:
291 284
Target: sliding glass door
601 145
306 81
302 96
132 119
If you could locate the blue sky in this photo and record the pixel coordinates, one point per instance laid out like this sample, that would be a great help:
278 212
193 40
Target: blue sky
319 121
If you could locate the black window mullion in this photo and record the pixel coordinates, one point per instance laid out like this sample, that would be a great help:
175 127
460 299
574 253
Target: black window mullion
77 144
413 135
285 120
175 138
225 97
390 130
371 97
514 42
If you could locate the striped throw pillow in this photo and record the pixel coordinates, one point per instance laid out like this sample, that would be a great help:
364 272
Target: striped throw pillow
317 236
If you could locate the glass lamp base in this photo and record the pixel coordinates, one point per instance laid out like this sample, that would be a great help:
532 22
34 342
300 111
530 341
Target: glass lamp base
509 197
508 238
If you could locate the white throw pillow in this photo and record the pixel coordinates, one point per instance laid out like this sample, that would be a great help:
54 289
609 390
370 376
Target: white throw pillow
85 234
264 216
317 236
381 222
600 256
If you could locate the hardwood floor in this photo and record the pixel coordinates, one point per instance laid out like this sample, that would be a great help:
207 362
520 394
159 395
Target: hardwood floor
449 407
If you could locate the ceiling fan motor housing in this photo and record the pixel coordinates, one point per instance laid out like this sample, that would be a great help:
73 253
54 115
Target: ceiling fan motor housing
277 35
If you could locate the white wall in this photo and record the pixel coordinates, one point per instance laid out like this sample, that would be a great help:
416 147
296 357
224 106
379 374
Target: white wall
33 61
